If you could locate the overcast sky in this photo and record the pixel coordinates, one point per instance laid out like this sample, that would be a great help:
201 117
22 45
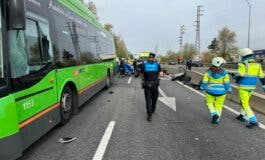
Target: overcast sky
143 24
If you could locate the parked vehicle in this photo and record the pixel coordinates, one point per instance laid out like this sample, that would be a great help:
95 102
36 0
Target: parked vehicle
197 64
172 63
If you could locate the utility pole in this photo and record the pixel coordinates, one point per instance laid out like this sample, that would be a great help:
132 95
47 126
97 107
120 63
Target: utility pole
249 21
198 30
182 32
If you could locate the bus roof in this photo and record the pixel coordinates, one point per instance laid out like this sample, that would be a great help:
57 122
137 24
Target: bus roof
80 9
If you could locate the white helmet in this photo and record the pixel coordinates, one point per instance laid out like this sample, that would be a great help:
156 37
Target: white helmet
218 61
245 52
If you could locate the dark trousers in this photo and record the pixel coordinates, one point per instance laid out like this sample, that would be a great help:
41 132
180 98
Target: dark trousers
151 95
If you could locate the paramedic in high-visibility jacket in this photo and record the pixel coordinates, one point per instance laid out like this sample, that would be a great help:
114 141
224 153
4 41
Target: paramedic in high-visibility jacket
249 71
150 72
216 84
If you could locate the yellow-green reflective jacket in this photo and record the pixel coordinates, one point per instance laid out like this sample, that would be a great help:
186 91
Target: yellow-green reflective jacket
216 84
249 71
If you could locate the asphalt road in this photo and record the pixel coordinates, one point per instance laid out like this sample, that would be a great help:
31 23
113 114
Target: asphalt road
184 134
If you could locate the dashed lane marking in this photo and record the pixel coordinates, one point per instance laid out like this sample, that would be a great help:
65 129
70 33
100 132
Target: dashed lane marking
104 142
130 79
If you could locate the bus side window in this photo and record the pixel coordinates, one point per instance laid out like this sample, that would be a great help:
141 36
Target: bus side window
33 44
30 49
38 42
47 51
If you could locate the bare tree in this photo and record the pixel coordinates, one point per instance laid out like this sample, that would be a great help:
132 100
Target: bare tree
227 39
108 27
92 7
214 46
189 51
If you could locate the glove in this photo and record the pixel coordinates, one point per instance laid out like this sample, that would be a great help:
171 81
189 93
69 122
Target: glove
203 86
234 76
230 90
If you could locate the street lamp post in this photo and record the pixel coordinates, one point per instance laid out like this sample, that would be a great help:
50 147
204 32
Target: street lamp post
249 21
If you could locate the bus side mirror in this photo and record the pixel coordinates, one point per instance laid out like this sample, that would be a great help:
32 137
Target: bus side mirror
16 12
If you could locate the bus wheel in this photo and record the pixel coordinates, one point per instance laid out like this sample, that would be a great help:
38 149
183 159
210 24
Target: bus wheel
66 106
108 81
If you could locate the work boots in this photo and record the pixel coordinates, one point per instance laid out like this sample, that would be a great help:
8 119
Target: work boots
215 119
153 111
149 118
241 118
251 125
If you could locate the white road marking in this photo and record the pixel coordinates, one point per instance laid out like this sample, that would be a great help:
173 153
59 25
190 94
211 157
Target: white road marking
104 142
169 101
162 92
130 79
164 78
262 126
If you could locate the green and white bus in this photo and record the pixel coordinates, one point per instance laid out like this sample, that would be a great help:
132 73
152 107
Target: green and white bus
54 56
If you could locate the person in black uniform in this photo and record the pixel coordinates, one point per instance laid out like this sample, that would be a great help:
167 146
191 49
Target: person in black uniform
135 67
189 64
150 72
122 67
134 64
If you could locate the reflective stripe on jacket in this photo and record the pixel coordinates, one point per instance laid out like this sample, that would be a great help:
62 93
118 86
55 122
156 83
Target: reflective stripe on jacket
151 67
249 71
216 84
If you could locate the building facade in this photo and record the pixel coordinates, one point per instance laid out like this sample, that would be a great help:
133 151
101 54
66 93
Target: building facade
260 55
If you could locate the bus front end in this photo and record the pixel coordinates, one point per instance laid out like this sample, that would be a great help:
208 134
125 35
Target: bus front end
10 142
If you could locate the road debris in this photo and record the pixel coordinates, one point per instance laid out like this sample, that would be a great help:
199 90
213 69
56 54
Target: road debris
67 139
